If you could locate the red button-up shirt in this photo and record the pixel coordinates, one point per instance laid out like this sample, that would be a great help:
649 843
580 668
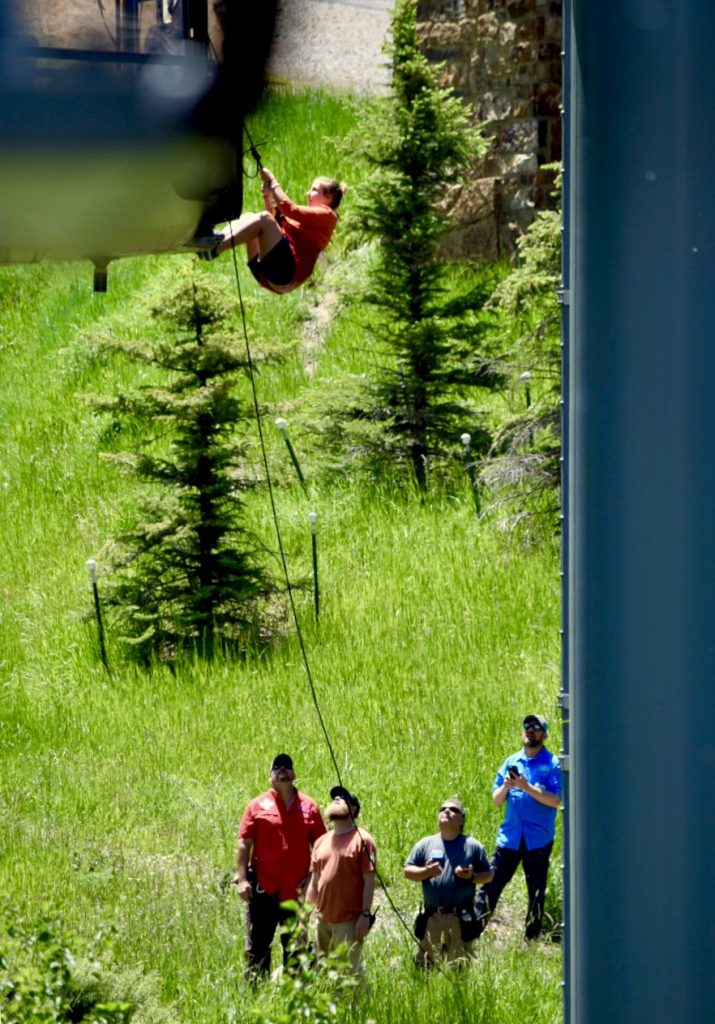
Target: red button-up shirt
282 839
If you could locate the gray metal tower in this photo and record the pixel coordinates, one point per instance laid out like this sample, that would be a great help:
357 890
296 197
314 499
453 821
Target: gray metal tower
640 582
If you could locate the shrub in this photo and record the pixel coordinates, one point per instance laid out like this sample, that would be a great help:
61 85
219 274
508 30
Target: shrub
523 467
39 980
308 991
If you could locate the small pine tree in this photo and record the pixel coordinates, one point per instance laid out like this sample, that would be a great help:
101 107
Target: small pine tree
523 466
185 573
416 143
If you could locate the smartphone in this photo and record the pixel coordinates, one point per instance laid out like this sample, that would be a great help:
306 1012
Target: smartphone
513 771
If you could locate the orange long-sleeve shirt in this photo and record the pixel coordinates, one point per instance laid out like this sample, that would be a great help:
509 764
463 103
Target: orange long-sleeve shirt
308 230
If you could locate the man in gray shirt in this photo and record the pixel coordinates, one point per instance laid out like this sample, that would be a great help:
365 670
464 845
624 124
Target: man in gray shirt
449 865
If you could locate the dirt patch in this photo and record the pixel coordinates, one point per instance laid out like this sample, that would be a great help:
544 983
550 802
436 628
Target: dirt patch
316 327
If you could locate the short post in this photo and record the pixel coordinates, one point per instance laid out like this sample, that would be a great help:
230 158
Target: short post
525 379
283 427
313 520
92 568
466 440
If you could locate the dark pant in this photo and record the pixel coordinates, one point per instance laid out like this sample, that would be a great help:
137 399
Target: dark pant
504 864
264 915
277 266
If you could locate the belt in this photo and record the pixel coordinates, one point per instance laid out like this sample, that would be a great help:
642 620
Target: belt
454 909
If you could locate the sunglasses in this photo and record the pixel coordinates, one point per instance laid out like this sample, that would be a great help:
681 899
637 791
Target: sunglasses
534 725
452 810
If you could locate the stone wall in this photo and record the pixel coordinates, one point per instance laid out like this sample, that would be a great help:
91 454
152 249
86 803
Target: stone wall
504 57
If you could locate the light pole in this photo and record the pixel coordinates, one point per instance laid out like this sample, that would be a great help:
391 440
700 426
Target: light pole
92 569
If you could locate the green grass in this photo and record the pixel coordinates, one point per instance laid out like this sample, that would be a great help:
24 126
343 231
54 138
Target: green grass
120 796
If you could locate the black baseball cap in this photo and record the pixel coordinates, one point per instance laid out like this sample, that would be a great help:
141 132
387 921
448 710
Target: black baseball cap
347 797
282 761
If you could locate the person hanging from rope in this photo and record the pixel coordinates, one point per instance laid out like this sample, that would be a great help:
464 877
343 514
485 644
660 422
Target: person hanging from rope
283 242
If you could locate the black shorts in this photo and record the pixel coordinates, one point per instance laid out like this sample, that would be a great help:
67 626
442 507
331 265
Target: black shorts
277 266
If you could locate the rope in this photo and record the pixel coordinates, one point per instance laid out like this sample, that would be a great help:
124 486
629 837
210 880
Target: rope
284 563
254 153
103 15
276 523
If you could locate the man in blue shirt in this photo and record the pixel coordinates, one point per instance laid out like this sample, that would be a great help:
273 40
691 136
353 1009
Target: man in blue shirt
529 783
449 865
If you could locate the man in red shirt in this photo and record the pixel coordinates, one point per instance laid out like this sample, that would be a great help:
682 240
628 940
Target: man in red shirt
275 838
342 880
284 241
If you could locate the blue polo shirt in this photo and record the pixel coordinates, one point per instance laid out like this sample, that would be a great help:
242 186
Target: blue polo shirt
525 818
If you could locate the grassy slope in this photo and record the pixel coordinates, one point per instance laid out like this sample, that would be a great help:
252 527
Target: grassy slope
120 797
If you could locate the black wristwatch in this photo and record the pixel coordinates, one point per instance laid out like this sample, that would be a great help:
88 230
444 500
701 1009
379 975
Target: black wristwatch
365 913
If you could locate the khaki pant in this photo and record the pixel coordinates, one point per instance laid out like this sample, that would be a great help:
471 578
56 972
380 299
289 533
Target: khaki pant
443 939
330 936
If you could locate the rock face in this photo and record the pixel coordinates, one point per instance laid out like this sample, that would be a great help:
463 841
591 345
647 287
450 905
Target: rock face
504 56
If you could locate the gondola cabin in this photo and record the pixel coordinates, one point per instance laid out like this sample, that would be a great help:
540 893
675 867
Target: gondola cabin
121 123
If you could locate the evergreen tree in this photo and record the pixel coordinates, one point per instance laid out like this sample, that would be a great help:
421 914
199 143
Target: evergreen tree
417 142
186 573
523 466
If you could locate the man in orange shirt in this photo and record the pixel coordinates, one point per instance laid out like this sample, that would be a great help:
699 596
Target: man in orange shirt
342 879
277 832
284 241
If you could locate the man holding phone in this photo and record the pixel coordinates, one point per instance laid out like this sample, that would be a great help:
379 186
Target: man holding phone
529 783
449 865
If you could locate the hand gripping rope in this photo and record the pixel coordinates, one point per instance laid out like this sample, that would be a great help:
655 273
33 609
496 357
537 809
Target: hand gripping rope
253 150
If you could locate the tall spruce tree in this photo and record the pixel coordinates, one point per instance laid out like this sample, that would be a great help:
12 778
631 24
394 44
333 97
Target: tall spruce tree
186 573
417 142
